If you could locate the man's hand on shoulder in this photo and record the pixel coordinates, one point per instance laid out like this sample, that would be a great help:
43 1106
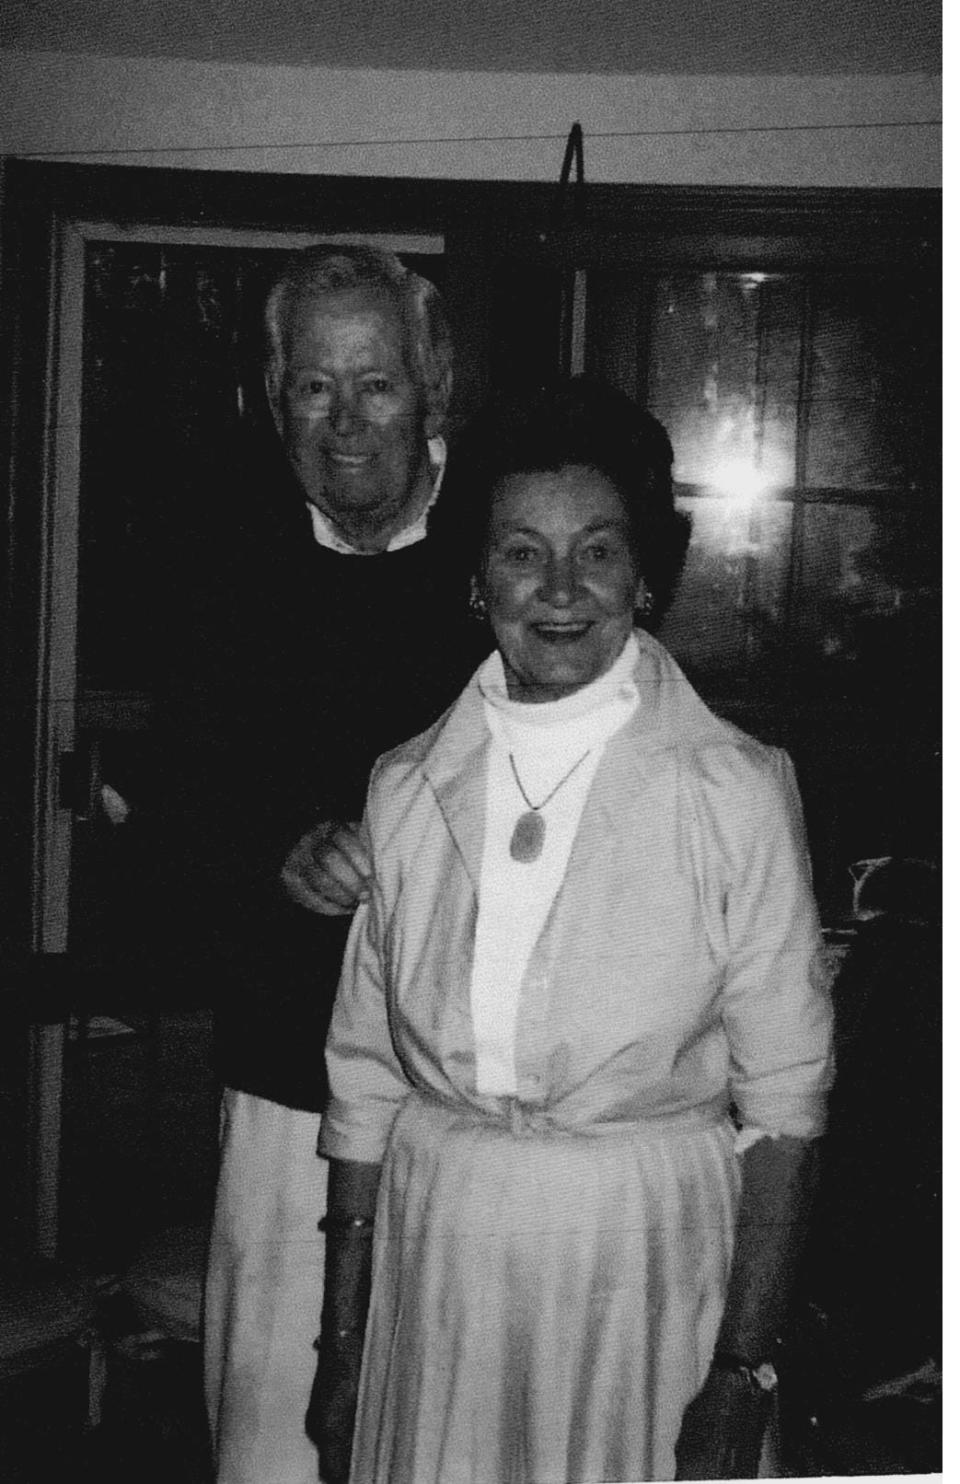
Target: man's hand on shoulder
328 870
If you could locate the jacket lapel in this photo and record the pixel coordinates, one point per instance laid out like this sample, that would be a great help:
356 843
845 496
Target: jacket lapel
624 770
455 769
619 782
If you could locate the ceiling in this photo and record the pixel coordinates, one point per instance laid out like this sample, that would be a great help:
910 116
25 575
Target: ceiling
806 37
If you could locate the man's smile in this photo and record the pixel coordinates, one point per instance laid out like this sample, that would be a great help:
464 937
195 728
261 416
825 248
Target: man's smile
350 460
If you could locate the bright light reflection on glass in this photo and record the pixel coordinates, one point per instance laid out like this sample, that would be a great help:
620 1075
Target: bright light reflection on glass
737 461
743 482
739 481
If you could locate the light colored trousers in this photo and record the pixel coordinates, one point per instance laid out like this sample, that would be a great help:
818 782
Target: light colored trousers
264 1291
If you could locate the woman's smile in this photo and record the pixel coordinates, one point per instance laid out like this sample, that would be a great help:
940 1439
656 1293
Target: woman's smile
560 632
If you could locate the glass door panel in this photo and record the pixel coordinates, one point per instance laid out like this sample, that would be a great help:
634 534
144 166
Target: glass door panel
726 619
873 417
724 379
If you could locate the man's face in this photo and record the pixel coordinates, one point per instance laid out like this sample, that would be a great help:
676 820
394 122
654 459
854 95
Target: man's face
350 413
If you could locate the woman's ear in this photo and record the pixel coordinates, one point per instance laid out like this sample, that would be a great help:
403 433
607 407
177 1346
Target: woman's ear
643 601
478 605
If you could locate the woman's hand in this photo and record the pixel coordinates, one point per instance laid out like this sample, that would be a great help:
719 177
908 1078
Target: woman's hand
722 1431
328 870
333 1406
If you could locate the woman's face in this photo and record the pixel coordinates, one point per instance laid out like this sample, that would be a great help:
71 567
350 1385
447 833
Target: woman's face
559 579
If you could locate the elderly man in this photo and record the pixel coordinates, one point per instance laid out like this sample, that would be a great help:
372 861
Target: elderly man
339 626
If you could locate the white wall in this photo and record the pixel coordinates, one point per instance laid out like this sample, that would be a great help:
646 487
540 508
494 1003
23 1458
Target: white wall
472 125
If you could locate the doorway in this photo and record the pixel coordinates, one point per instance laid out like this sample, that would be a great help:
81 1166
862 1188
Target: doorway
155 363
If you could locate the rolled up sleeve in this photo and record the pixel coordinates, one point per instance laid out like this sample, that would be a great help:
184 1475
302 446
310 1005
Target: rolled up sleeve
367 1083
776 1005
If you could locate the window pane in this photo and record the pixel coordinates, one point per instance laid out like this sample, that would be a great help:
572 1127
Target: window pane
124 439
874 372
724 378
868 592
725 618
618 330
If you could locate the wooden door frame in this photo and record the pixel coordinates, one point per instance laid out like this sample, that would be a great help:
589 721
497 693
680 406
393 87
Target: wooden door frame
56 692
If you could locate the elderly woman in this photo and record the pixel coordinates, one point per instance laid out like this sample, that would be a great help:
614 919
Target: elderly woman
581 1044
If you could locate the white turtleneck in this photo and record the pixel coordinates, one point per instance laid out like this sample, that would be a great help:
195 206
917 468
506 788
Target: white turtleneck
546 740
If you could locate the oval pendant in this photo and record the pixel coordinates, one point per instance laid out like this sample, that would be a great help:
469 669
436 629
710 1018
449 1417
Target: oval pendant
526 842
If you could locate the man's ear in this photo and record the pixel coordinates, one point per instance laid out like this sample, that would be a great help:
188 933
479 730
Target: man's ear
272 387
439 391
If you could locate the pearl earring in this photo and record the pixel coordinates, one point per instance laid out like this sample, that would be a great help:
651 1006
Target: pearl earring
478 608
644 606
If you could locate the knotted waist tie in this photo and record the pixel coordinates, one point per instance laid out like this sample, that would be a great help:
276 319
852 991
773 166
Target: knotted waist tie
527 1120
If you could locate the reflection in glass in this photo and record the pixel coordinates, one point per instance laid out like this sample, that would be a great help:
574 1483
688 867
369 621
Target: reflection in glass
724 379
729 607
861 568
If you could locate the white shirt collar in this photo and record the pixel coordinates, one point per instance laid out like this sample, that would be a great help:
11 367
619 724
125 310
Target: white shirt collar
325 533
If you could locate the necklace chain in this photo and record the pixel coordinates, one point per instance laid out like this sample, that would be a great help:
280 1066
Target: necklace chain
556 788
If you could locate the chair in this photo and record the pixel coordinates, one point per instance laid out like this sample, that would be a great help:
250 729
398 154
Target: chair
164 1283
48 1317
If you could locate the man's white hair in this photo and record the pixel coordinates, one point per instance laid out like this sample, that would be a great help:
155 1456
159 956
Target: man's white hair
315 271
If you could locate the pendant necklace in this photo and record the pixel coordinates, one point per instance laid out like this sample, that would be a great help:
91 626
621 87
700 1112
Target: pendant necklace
529 832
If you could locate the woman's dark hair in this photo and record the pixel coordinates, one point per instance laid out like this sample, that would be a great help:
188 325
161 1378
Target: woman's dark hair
581 421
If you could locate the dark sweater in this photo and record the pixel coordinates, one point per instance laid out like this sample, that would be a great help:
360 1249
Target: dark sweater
301 667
